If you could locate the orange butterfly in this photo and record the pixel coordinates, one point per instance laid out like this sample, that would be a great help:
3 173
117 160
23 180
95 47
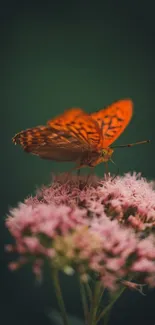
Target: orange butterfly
78 136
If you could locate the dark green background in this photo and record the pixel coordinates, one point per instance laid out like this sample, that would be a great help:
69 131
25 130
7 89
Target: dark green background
57 55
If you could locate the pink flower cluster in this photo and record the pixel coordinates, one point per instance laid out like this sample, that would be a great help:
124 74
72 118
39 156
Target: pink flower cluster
103 226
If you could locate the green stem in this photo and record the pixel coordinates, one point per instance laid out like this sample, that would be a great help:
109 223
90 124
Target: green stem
106 318
95 304
59 297
84 302
101 295
89 292
110 305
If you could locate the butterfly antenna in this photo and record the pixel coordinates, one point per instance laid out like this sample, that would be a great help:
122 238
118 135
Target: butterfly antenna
117 169
131 144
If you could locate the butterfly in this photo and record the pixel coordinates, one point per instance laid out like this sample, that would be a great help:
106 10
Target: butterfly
78 136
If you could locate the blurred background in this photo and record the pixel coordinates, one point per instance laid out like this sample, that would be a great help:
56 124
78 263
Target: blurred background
56 55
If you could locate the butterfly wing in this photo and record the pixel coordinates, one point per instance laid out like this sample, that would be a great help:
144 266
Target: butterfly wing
78 124
65 138
113 120
49 144
75 133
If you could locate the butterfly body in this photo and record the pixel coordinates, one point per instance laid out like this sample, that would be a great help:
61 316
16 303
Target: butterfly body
78 136
96 157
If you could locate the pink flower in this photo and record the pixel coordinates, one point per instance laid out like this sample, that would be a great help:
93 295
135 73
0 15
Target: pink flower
100 226
144 265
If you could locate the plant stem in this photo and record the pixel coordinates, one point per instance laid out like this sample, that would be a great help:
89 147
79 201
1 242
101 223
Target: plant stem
109 306
59 297
106 318
84 302
89 292
95 303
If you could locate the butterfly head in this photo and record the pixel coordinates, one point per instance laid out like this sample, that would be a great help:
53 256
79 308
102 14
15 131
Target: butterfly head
103 156
106 154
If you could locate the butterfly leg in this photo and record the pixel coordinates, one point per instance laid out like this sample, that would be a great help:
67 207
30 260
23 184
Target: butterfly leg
76 168
78 172
68 174
106 174
106 167
81 183
115 175
90 174
117 170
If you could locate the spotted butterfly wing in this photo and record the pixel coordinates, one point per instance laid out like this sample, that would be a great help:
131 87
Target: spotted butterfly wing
75 135
66 138
80 125
113 120
43 142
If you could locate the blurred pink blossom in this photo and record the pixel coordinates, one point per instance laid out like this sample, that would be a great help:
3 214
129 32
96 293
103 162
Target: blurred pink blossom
103 226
